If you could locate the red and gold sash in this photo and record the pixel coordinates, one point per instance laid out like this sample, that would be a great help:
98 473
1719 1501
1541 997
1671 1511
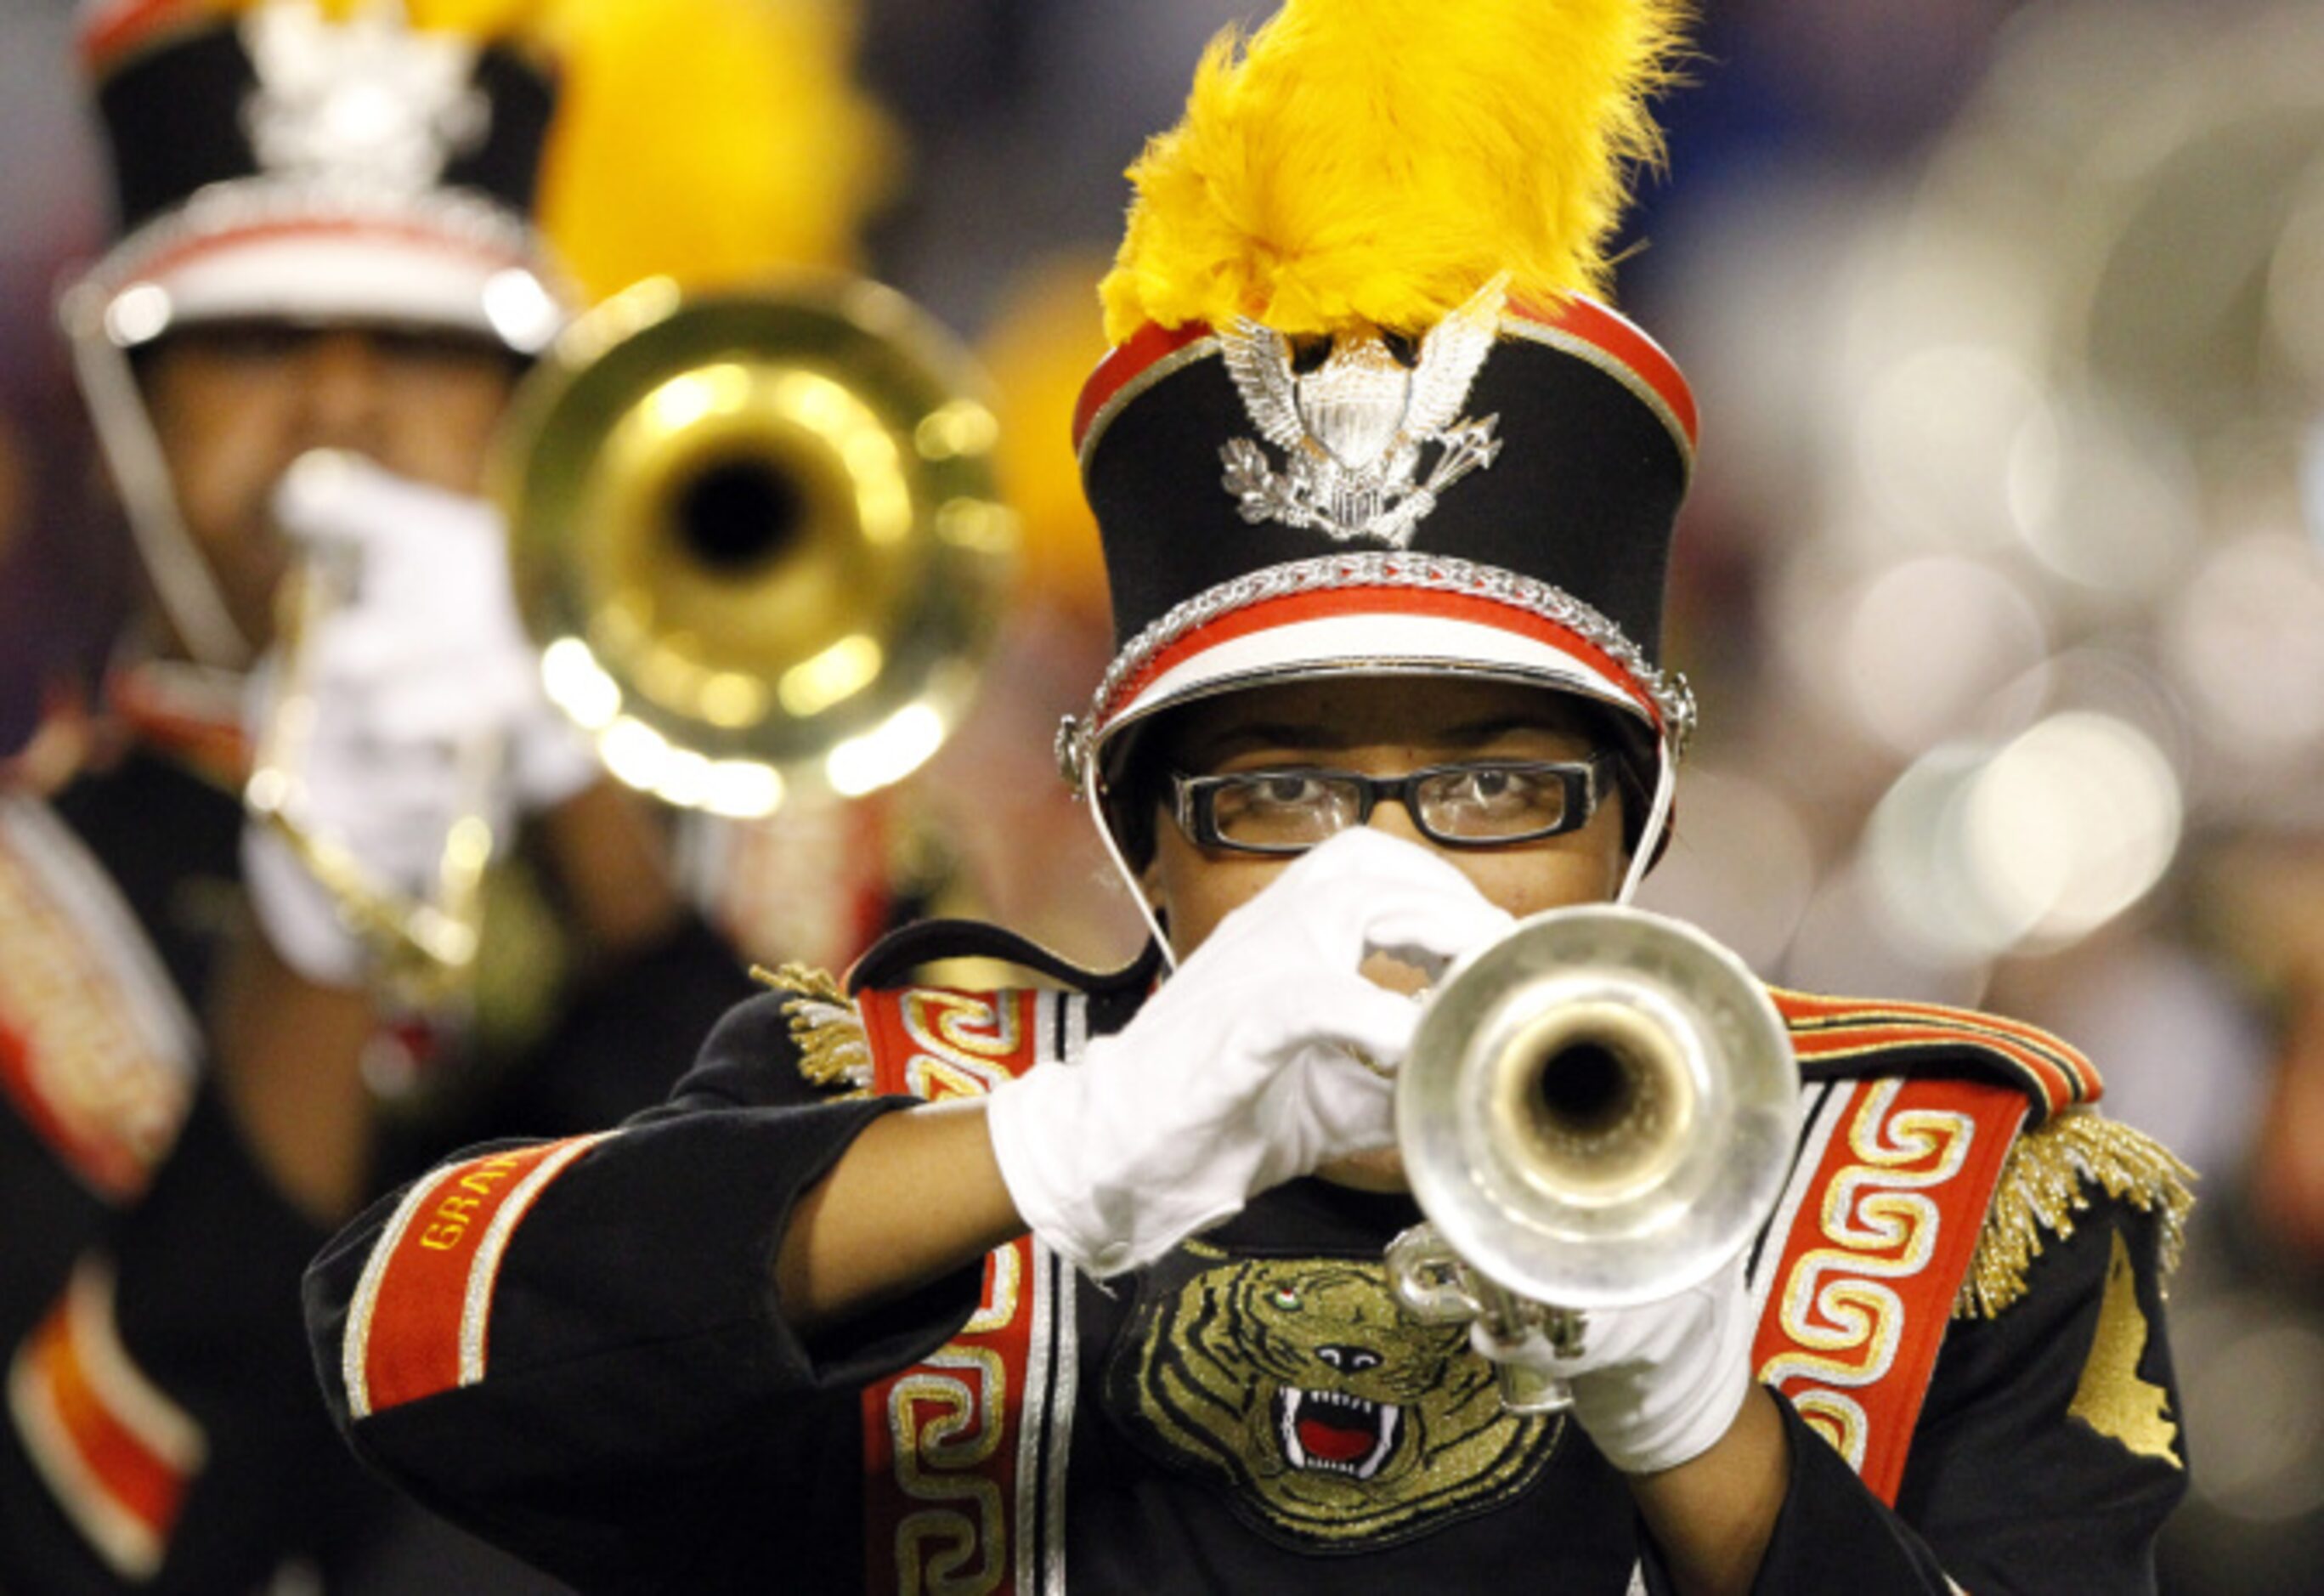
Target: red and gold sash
1869 1250
1858 1280
961 1461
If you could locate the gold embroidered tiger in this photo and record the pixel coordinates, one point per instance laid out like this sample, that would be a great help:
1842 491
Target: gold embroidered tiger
1327 1414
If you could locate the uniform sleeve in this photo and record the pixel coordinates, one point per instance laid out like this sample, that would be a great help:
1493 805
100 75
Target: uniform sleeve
2050 1441
574 1347
159 1432
162 1434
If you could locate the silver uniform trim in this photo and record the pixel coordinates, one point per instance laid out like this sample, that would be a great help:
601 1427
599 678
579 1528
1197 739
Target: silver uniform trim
1025 1556
1064 1388
1078 740
484 1269
355 1344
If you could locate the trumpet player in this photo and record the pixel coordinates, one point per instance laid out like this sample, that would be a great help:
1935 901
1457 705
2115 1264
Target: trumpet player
326 246
909 1289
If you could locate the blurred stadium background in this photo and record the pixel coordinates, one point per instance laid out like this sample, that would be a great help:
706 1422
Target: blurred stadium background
2003 579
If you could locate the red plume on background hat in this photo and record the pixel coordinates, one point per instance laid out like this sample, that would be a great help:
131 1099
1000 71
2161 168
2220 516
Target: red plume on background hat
1363 414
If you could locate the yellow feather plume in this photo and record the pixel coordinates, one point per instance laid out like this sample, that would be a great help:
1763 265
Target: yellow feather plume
1378 162
1037 351
709 141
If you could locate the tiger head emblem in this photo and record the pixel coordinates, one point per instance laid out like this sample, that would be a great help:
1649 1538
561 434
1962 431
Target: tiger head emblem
1329 1417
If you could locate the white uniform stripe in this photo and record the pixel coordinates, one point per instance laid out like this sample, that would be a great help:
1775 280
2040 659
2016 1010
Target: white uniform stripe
126 1543
1031 1437
141 1407
1380 640
124 1537
355 1346
483 1270
1816 1136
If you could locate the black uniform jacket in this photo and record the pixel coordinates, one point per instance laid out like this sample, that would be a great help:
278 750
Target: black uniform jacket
631 1410
161 1433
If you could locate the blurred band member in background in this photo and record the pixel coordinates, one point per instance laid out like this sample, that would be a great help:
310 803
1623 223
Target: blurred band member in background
326 284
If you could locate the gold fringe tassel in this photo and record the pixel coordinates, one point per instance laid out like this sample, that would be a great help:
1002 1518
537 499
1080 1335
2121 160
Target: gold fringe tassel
2047 1181
834 1053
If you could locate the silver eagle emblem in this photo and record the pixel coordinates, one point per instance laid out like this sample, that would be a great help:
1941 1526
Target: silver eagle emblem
1354 431
370 104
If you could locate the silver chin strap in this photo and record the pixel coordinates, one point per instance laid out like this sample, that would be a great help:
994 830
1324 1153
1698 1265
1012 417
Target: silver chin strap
1092 801
1658 814
182 579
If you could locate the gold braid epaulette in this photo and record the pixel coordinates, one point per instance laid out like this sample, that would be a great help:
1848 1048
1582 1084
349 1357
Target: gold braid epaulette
2046 1182
833 1052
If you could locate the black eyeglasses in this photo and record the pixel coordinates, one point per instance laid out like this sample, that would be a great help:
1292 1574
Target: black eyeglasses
1476 804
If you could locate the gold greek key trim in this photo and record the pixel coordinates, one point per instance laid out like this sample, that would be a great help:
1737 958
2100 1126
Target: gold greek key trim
2048 1180
1840 1419
935 1463
963 1030
1882 1227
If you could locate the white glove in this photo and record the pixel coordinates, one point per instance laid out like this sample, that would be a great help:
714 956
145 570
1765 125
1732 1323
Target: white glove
1238 1074
424 696
435 620
1657 1385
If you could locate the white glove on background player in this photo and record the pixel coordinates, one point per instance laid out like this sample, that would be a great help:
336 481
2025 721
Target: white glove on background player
425 699
1237 1075
1657 1385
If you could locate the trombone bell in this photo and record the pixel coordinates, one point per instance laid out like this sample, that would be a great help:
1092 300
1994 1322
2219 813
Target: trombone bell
758 536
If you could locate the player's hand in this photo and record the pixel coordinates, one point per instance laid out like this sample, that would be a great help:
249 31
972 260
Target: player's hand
1658 1385
1264 1056
422 701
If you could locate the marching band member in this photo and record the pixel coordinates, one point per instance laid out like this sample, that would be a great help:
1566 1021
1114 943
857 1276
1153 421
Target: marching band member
327 245
913 1289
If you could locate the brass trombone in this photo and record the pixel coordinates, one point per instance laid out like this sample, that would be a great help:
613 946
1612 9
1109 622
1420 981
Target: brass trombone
1598 1111
757 537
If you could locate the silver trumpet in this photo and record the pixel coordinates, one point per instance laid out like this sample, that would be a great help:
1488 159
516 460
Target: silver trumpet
1598 1111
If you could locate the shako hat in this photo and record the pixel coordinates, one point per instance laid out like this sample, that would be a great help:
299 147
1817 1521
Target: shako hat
397 163
1366 411
292 161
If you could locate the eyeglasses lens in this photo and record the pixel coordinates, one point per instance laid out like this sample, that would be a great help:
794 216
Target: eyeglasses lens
1489 803
1285 810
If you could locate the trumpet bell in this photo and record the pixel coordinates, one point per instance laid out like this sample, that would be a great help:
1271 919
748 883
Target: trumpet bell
758 536
1598 1109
